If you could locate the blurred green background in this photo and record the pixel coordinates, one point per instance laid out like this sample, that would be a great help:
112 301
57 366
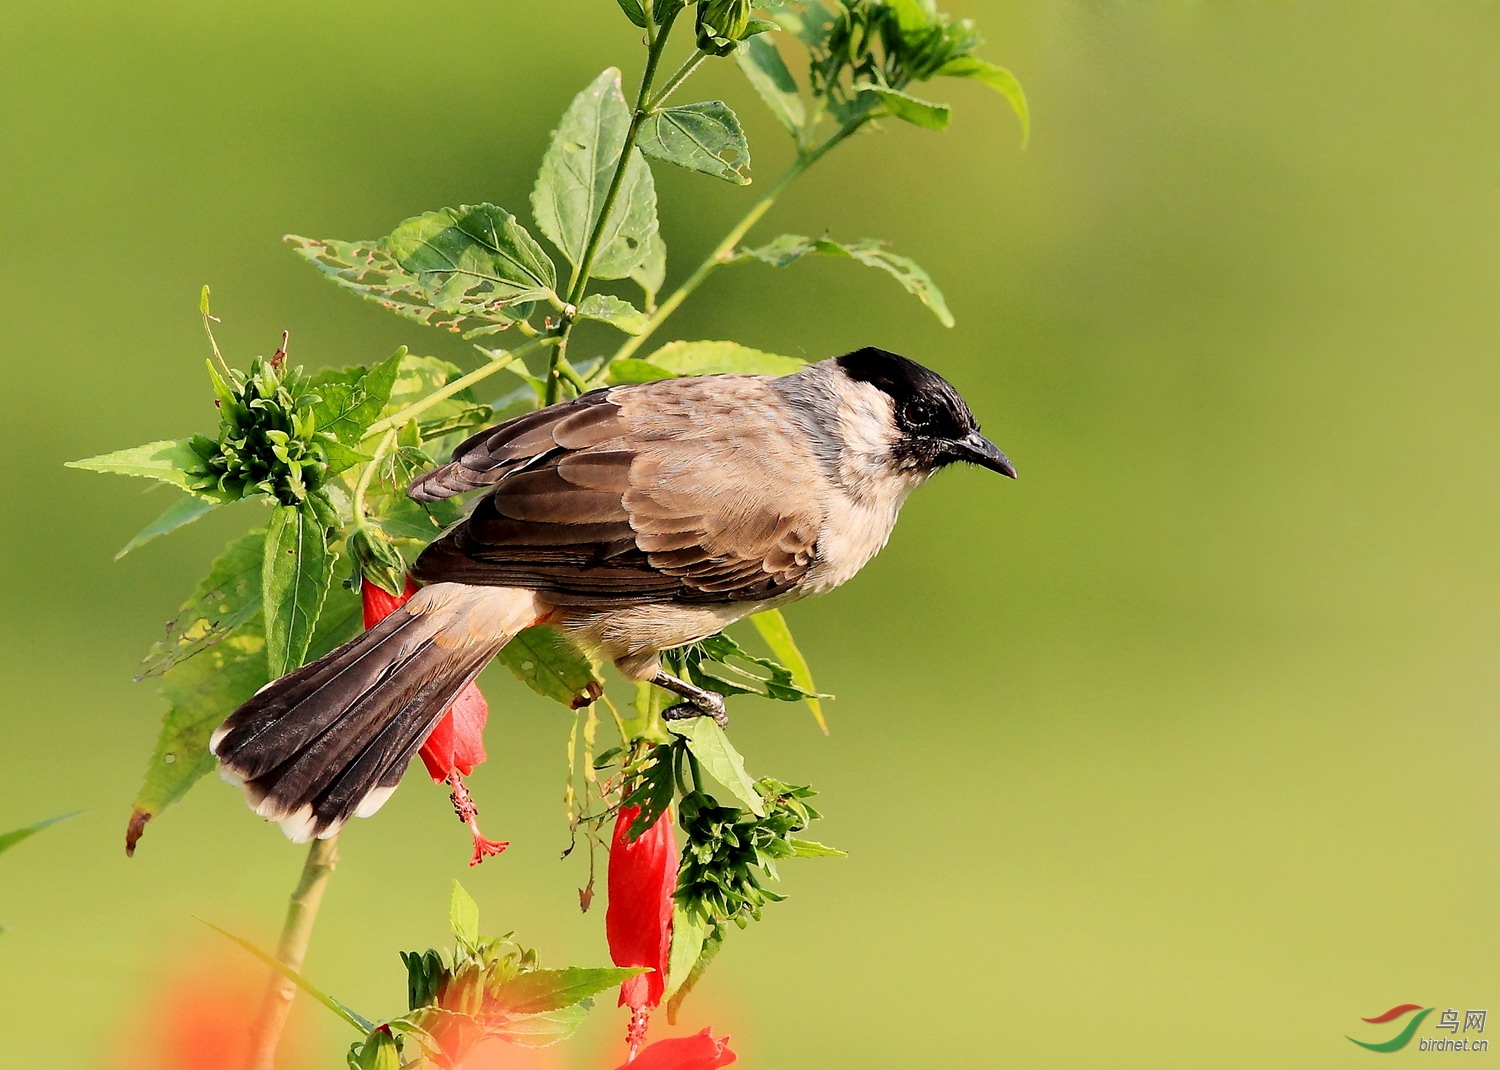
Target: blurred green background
1178 752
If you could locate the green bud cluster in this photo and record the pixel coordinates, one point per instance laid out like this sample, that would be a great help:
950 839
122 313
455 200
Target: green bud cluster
891 43
381 1050
268 440
728 849
722 24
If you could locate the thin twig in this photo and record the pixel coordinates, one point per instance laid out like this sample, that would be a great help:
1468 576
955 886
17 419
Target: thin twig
291 949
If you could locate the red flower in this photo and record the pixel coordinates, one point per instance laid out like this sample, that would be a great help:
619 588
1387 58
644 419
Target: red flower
638 922
456 744
701 1051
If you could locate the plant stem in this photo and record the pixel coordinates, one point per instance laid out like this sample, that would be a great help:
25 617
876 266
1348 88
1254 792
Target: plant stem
724 251
688 67
559 367
291 949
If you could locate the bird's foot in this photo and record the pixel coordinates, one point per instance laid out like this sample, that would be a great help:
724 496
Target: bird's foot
711 706
468 813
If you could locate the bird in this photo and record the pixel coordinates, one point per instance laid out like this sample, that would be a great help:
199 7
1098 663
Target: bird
635 519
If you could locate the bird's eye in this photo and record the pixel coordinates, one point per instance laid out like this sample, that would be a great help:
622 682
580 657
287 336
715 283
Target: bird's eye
917 414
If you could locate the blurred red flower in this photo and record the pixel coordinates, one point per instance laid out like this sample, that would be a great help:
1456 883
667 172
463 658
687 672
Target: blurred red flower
701 1051
638 921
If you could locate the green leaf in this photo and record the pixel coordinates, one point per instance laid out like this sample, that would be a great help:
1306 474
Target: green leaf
201 692
631 370
540 1030
341 620
914 110
613 311
297 568
651 272
179 514
221 602
705 137
790 248
463 916
172 461
475 259
705 358
711 946
541 991
366 269
812 849
689 931
575 177
768 75
546 661
633 11
15 836
351 399
777 635
358 1021
708 743
997 78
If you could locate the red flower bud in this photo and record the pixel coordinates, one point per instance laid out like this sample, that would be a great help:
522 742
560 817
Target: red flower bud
701 1051
638 922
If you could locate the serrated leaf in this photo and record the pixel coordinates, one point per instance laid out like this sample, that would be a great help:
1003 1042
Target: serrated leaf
179 514
474 258
613 311
774 631
222 601
351 399
547 662
689 930
15 836
366 269
789 248
705 137
769 77
708 743
463 916
575 177
201 691
997 78
706 358
541 991
295 575
358 1021
540 1030
171 461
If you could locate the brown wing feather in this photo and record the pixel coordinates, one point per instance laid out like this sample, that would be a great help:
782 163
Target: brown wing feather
688 490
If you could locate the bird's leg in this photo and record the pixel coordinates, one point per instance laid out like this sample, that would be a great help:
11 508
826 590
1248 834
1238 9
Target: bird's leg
700 703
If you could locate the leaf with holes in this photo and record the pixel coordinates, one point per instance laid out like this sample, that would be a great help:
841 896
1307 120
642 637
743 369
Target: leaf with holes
474 258
367 269
545 660
705 137
790 248
576 174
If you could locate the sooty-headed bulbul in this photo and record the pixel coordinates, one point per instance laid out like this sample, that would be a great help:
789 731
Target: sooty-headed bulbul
635 519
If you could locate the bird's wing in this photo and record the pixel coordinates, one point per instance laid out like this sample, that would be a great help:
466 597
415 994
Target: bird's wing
687 490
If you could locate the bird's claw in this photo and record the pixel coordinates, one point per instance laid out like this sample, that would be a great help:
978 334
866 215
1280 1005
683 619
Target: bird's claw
685 711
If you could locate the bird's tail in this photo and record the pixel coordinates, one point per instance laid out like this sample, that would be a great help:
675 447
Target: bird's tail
330 740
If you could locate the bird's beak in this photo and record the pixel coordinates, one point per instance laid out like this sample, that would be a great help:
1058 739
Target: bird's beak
976 449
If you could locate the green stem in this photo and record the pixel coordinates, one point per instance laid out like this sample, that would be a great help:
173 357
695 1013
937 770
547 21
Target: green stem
463 382
363 486
559 367
689 65
291 949
724 251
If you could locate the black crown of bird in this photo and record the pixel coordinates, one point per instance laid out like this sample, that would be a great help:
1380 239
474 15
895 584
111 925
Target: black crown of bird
636 519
